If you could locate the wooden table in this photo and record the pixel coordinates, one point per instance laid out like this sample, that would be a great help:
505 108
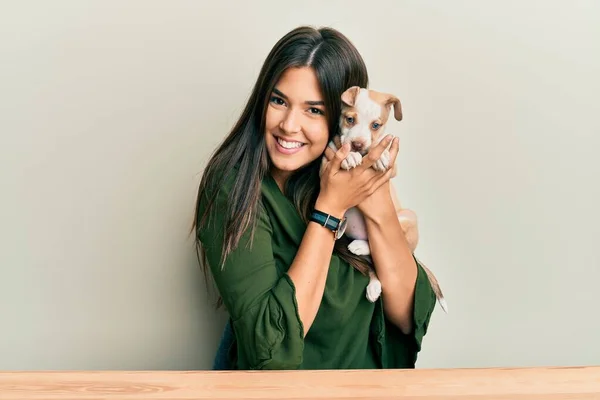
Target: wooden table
423 384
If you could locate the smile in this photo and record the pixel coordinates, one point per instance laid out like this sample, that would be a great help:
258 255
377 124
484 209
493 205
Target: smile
289 145
288 148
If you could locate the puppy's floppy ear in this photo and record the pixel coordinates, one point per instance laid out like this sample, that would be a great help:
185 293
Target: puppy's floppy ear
387 100
349 96
395 102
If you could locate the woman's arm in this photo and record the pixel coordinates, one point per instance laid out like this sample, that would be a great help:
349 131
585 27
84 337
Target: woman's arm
309 268
406 291
311 264
393 259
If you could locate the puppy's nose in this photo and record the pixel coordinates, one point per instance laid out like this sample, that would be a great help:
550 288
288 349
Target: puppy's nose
357 146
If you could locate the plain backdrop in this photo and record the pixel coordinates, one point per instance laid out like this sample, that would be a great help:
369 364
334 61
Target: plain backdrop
109 110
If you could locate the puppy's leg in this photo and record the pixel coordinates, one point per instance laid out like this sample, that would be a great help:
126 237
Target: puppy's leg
359 247
384 161
374 287
410 227
354 159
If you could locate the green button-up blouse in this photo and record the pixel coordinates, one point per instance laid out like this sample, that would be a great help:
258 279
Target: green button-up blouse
349 332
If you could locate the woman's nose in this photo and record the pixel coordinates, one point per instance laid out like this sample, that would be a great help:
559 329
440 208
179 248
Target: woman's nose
290 123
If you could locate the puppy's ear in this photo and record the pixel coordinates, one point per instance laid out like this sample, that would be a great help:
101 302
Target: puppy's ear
349 96
388 100
395 102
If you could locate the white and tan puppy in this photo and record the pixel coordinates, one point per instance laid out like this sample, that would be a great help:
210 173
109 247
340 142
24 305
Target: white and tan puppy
363 123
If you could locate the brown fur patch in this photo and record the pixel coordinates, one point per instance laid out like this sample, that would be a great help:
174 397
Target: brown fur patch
349 114
387 101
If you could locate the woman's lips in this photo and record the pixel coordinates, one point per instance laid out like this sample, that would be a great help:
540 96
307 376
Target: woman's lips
288 150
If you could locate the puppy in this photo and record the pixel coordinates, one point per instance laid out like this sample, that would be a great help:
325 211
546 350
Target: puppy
363 122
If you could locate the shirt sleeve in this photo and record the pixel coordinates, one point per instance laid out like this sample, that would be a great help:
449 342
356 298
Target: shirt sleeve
260 299
401 350
424 304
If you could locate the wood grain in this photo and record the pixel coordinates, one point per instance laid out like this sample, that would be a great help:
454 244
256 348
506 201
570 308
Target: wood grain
565 383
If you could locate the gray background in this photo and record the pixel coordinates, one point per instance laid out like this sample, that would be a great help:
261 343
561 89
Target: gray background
109 110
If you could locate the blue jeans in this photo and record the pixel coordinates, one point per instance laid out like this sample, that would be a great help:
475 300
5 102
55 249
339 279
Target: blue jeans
221 361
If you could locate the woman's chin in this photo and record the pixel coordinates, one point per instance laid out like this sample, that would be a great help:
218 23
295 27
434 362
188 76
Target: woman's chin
287 165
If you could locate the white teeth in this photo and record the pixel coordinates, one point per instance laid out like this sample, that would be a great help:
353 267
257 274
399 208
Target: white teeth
288 145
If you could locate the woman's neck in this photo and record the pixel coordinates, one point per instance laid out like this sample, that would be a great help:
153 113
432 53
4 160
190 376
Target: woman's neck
280 177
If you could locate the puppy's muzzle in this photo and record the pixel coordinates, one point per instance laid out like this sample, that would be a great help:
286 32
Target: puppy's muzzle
358 146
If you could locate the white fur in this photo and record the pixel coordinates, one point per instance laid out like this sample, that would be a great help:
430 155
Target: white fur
360 247
368 111
373 288
352 160
384 161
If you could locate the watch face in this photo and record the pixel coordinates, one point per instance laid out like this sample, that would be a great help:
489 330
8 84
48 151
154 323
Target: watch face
341 228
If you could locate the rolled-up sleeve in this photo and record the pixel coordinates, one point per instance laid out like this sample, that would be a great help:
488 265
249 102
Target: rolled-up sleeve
260 299
401 350
424 304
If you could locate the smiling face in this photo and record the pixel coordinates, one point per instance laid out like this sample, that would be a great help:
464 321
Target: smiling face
296 127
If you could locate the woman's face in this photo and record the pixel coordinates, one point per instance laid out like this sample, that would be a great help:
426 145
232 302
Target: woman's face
296 127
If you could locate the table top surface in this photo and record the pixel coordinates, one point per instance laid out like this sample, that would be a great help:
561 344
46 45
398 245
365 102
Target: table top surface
423 384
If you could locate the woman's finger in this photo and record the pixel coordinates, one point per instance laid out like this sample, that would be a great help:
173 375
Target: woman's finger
384 178
329 153
375 153
339 156
379 178
394 150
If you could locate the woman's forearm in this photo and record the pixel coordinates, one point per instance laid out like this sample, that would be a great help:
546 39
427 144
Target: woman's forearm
310 266
394 264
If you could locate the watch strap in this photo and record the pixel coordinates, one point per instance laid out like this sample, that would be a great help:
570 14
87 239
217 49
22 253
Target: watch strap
327 220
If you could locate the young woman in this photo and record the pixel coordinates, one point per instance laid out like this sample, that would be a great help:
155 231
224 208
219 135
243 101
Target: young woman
294 293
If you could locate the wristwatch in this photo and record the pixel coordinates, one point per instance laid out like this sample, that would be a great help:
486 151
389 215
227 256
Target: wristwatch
336 225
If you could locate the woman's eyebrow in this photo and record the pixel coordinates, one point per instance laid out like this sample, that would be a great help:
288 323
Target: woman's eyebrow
309 102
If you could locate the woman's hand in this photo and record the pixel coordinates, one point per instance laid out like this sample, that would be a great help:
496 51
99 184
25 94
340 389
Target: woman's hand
342 189
375 206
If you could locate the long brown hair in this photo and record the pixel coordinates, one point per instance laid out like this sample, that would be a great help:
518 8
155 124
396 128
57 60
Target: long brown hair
338 66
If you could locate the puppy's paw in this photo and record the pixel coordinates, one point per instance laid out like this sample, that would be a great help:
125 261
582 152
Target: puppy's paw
359 247
354 159
373 290
383 163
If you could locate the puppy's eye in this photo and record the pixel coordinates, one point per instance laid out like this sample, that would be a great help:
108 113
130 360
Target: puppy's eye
375 125
350 120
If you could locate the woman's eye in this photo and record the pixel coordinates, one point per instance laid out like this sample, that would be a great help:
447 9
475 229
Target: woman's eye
314 110
277 100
